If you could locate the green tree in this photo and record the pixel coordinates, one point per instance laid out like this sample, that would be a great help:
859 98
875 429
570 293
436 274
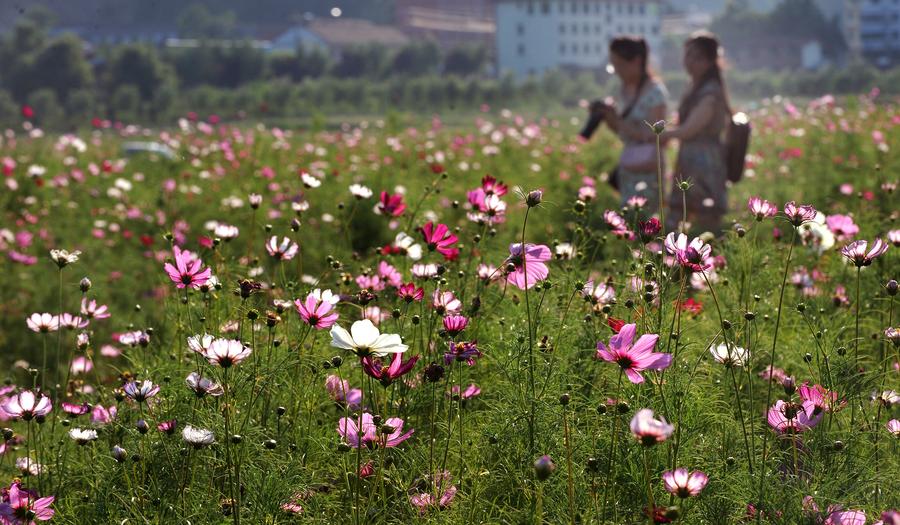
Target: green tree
47 110
62 67
417 58
126 103
197 21
138 66
465 60
361 61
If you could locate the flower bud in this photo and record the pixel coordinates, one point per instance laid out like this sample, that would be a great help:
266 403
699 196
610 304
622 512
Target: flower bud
659 126
544 467
789 384
119 454
534 198
891 287
85 284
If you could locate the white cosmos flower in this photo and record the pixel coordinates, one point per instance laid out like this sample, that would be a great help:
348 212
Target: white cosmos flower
409 245
364 339
82 436
197 437
736 357
360 192
326 296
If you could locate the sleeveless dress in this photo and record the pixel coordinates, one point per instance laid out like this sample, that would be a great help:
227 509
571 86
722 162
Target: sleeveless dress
701 161
642 184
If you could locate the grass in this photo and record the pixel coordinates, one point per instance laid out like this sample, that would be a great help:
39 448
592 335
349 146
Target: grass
124 215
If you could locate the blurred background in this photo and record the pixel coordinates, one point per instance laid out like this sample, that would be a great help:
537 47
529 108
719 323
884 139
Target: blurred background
71 63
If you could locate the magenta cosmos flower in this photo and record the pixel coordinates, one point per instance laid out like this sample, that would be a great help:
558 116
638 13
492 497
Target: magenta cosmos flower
438 238
790 418
856 252
455 324
425 498
633 358
24 507
390 434
761 208
649 430
391 205
683 484
532 262
27 405
188 270
387 374
694 256
317 312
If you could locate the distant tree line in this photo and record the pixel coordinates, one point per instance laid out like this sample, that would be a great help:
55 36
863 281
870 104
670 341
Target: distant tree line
67 87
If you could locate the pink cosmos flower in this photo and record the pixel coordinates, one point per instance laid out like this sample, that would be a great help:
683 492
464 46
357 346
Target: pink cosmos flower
683 484
790 418
471 391
141 391
445 302
694 256
633 358
282 251
42 323
648 430
22 507
894 237
856 252
492 186
842 226
76 410
92 310
27 405
797 215
439 238
893 427
366 434
889 517
72 322
102 416
834 515
389 274
315 312
187 272
387 374
761 209
817 398
532 261
425 498
341 393
227 352
455 324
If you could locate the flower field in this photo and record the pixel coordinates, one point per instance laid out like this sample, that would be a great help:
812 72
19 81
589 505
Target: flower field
441 323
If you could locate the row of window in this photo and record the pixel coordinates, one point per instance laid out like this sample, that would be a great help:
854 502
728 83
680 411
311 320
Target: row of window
585 7
598 29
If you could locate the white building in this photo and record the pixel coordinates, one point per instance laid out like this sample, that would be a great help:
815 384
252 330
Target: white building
536 35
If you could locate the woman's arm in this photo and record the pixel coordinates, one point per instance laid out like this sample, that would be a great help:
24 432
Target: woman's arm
700 117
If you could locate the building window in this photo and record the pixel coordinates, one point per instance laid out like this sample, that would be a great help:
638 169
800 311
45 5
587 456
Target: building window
520 29
574 8
574 49
545 7
562 49
654 30
574 29
521 50
562 29
630 9
587 49
587 8
587 28
609 19
599 48
641 9
597 29
530 8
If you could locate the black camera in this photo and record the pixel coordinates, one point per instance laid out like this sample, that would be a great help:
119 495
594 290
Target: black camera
595 117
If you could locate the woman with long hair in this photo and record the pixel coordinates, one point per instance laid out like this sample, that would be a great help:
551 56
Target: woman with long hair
642 99
703 117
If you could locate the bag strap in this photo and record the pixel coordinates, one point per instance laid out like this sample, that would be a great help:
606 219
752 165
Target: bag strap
637 97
